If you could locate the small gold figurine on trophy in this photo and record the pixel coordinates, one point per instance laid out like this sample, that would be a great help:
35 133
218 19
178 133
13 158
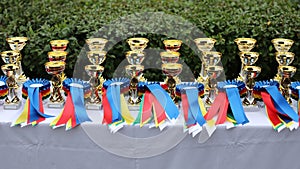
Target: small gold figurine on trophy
171 70
134 71
284 59
213 73
12 100
56 68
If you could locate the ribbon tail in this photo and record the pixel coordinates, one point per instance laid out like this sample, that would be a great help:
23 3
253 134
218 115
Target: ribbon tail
192 96
236 105
107 112
80 113
67 112
125 111
159 112
222 112
24 115
147 108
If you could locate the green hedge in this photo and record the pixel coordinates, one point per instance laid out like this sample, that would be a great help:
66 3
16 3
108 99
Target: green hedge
223 20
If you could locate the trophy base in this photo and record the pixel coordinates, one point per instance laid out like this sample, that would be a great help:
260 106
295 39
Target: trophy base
134 108
56 105
11 106
93 106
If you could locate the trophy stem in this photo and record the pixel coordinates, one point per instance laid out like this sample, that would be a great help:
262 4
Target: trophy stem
249 99
133 92
56 96
212 83
285 84
95 98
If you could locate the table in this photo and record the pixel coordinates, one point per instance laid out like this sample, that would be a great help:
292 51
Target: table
254 146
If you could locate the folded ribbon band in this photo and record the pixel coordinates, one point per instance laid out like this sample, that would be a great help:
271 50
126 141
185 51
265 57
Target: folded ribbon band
34 91
278 110
229 95
74 112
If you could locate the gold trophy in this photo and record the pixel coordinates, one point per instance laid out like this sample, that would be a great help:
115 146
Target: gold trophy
250 73
12 100
213 73
204 45
169 57
10 57
137 44
55 68
57 56
248 59
245 44
135 57
95 72
17 44
286 72
135 72
282 45
172 45
171 70
59 45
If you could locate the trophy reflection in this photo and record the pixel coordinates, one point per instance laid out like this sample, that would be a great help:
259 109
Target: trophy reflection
213 73
172 70
286 72
134 71
250 73
17 44
55 68
95 72
12 100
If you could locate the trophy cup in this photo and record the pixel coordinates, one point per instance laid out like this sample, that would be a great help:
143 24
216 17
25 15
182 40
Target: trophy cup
57 56
59 45
12 100
135 57
282 45
10 57
55 68
245 44
248 59
204 45
134 71
172 70
172 45
250 73
94 71
17 44
213 73
286 72
169 57
137 44
96 44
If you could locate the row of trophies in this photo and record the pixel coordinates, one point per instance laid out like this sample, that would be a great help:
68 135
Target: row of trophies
211 68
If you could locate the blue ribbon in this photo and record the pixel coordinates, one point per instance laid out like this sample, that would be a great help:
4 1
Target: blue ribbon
33 95
77 95
236 105
192 96
281 104
113 96
165 100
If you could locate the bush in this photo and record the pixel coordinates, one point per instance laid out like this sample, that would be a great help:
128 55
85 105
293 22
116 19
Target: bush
78 20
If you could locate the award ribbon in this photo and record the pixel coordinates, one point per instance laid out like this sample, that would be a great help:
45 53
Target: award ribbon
115 108
34 91
295 92
228 105
278 110
74 112
156 105
192 105
3 87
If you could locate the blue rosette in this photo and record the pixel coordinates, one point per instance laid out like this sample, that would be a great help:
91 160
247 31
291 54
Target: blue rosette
295 88
142 86
44 87
181 86
124 86
86 86
3 87
260 86
239 84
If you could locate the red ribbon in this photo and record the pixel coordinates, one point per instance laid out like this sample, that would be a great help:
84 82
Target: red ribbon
271 110
68 112
220 107
107 112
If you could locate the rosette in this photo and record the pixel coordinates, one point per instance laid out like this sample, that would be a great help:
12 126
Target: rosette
115 108
3 87
74 112
192 105
156 106
229 94
279 112
34 91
